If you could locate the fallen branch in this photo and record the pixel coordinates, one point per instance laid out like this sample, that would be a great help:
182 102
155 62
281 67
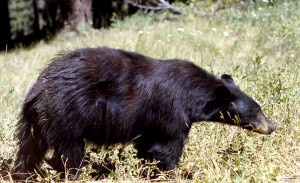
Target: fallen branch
159 5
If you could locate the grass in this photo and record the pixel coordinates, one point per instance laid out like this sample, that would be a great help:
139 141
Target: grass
258 45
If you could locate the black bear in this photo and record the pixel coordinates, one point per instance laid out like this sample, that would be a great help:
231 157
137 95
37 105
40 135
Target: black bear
110 96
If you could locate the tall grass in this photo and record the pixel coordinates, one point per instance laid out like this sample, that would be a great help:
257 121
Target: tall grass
259 45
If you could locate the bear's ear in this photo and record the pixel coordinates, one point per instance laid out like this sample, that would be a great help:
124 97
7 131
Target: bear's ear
224 94
227 78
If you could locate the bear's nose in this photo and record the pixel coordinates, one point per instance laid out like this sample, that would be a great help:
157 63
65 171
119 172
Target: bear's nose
272 128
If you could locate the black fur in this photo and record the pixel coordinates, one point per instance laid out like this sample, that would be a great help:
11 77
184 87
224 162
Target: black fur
109 96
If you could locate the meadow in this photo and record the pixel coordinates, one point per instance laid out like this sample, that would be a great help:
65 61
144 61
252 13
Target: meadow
258 44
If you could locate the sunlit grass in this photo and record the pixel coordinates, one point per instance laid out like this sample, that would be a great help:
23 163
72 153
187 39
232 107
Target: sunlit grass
259 46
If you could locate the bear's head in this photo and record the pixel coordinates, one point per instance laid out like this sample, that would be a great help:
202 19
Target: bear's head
238 108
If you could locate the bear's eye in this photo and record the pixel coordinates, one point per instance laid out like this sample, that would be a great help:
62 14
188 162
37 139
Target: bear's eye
257 111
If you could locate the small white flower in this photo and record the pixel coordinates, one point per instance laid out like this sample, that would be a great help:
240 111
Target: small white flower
226 34
180 29
193 33
214 29
199 32
140 32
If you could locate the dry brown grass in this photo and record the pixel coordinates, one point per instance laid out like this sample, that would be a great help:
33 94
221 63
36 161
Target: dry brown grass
260 47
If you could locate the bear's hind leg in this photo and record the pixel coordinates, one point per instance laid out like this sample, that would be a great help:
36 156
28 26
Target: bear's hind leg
31 147
68 158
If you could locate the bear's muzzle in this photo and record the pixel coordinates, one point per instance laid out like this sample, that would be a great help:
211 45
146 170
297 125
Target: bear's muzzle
265 126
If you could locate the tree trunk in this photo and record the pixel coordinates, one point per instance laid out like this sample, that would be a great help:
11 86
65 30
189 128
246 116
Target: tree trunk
102 13
81 12
5 35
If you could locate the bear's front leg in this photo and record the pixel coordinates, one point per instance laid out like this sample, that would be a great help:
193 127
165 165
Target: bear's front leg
166 150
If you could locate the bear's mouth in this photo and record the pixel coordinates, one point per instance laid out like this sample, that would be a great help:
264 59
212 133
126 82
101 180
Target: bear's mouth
263 127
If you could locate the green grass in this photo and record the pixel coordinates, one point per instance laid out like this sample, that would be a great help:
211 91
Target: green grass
259 46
